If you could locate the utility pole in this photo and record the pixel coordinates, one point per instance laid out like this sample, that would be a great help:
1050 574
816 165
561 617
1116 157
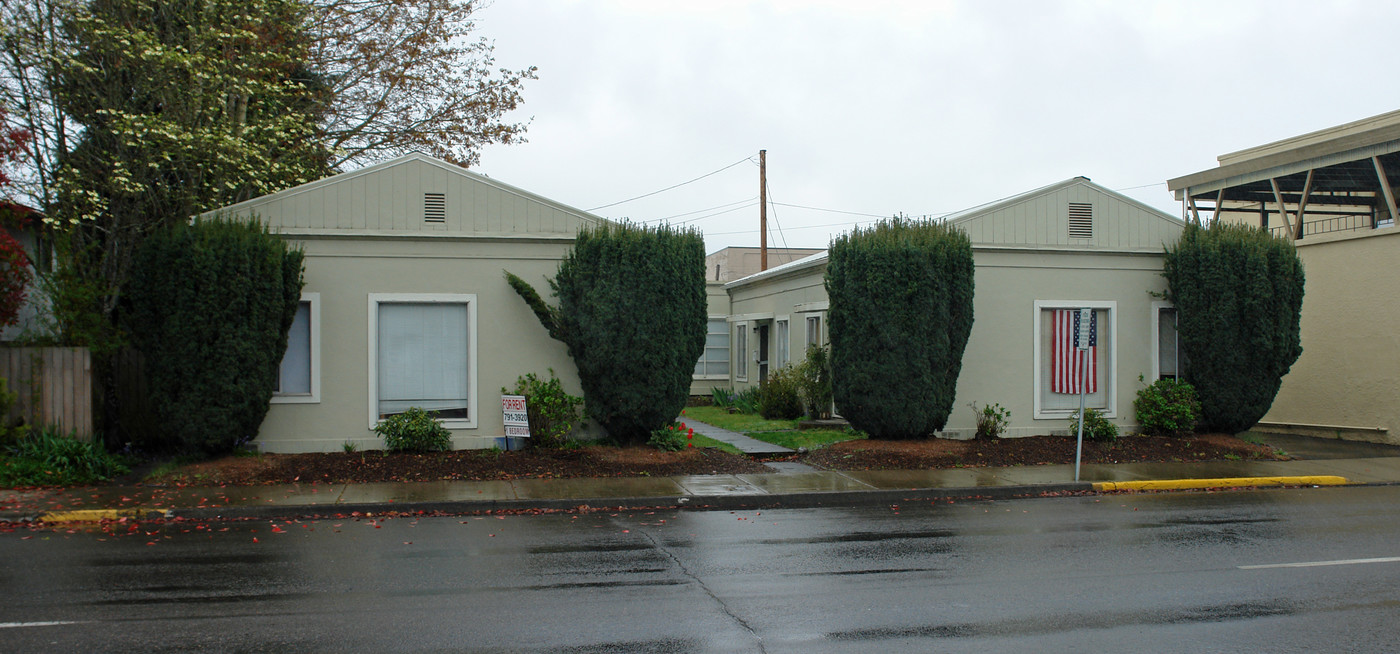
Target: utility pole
762 210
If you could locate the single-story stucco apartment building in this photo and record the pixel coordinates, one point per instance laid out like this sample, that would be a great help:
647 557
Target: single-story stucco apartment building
405 302
1069 245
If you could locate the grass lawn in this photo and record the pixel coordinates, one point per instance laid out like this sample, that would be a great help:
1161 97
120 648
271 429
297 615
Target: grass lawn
740 422
777 432
808 438
705 441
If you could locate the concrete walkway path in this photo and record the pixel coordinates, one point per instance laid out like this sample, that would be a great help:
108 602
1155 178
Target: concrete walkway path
744 443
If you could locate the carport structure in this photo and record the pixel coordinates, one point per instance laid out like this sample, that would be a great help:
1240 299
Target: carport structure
1334 180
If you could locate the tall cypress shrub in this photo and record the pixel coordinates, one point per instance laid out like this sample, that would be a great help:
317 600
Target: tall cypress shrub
900 316
209 306
1238 293
632 311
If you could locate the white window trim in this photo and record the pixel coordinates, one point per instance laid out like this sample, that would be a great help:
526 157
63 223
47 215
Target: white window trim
1155 321
821 330
741 362
469 299
1111 367
729 354
783 347
314 397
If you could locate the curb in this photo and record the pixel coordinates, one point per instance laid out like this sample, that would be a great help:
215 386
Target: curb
1223 482
820 499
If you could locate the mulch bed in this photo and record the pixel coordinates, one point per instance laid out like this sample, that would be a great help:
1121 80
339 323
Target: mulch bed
1037 450
602 461
365 467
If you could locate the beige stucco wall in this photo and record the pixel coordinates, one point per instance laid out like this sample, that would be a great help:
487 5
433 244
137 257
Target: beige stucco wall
792 296
999 363
717 306
344 271
1343 385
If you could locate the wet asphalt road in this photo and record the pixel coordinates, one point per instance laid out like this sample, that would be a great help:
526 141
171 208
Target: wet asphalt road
1165 572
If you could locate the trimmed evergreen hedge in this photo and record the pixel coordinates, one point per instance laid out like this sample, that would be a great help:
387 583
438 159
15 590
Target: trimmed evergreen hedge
900 315
632 311
209 306
1238 293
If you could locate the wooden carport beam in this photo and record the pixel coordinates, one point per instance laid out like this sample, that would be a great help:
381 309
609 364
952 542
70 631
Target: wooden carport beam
1282 209
1385 186
1303 202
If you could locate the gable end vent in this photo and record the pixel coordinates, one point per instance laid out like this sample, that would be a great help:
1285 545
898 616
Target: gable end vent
434 207
1081 220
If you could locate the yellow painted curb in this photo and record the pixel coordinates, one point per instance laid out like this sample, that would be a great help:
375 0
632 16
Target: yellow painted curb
93 515
1224 482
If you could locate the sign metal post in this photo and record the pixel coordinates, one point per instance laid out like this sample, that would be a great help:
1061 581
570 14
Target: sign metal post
1085 337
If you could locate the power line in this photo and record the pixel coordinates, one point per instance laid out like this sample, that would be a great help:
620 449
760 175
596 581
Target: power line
718 213
678 215
853 213
750 231
647 195
1130 188
771 201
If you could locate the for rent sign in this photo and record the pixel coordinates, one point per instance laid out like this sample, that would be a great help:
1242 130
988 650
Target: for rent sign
517 418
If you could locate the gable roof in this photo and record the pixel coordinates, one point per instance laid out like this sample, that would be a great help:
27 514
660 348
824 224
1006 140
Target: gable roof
413 195
1041 218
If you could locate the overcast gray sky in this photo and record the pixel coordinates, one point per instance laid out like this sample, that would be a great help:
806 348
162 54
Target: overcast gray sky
876 107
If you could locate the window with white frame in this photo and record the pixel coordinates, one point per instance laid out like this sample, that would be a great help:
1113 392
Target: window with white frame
423 354
714 362
1167 362
781 342
741 352
1061 370
299 375
814 331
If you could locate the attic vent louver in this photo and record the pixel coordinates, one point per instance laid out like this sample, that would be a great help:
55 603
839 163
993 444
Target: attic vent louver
1081 220
434 207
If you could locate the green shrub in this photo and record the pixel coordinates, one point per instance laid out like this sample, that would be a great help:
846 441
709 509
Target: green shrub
814 382
553 412
672 438
50 458
209 306
992 420
414 430
1167 408
779 397
1238 293
12 429
900 315
1096 427
722 397
632 311
746 400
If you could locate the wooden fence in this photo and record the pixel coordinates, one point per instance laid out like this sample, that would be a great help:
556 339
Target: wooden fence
54 385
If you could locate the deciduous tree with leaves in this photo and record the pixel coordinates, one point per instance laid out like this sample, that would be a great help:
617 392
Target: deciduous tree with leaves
411 75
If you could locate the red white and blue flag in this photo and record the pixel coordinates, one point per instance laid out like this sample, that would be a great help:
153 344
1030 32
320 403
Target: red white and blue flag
1065 371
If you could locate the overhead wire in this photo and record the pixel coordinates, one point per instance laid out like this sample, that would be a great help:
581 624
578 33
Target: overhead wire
687 213
673 186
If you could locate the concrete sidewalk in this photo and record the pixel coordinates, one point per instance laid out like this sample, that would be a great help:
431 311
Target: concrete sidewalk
792 489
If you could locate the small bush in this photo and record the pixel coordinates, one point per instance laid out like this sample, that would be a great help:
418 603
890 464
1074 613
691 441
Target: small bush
1167 408
672 438
553 412
745 401
779 396
1096 427
414 430
50 458
992 420
814 382
11 430
722 397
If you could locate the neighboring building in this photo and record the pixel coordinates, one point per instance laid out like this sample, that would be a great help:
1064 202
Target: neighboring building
406 303
1332 192
712 370
1069 245
26 226
733 263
